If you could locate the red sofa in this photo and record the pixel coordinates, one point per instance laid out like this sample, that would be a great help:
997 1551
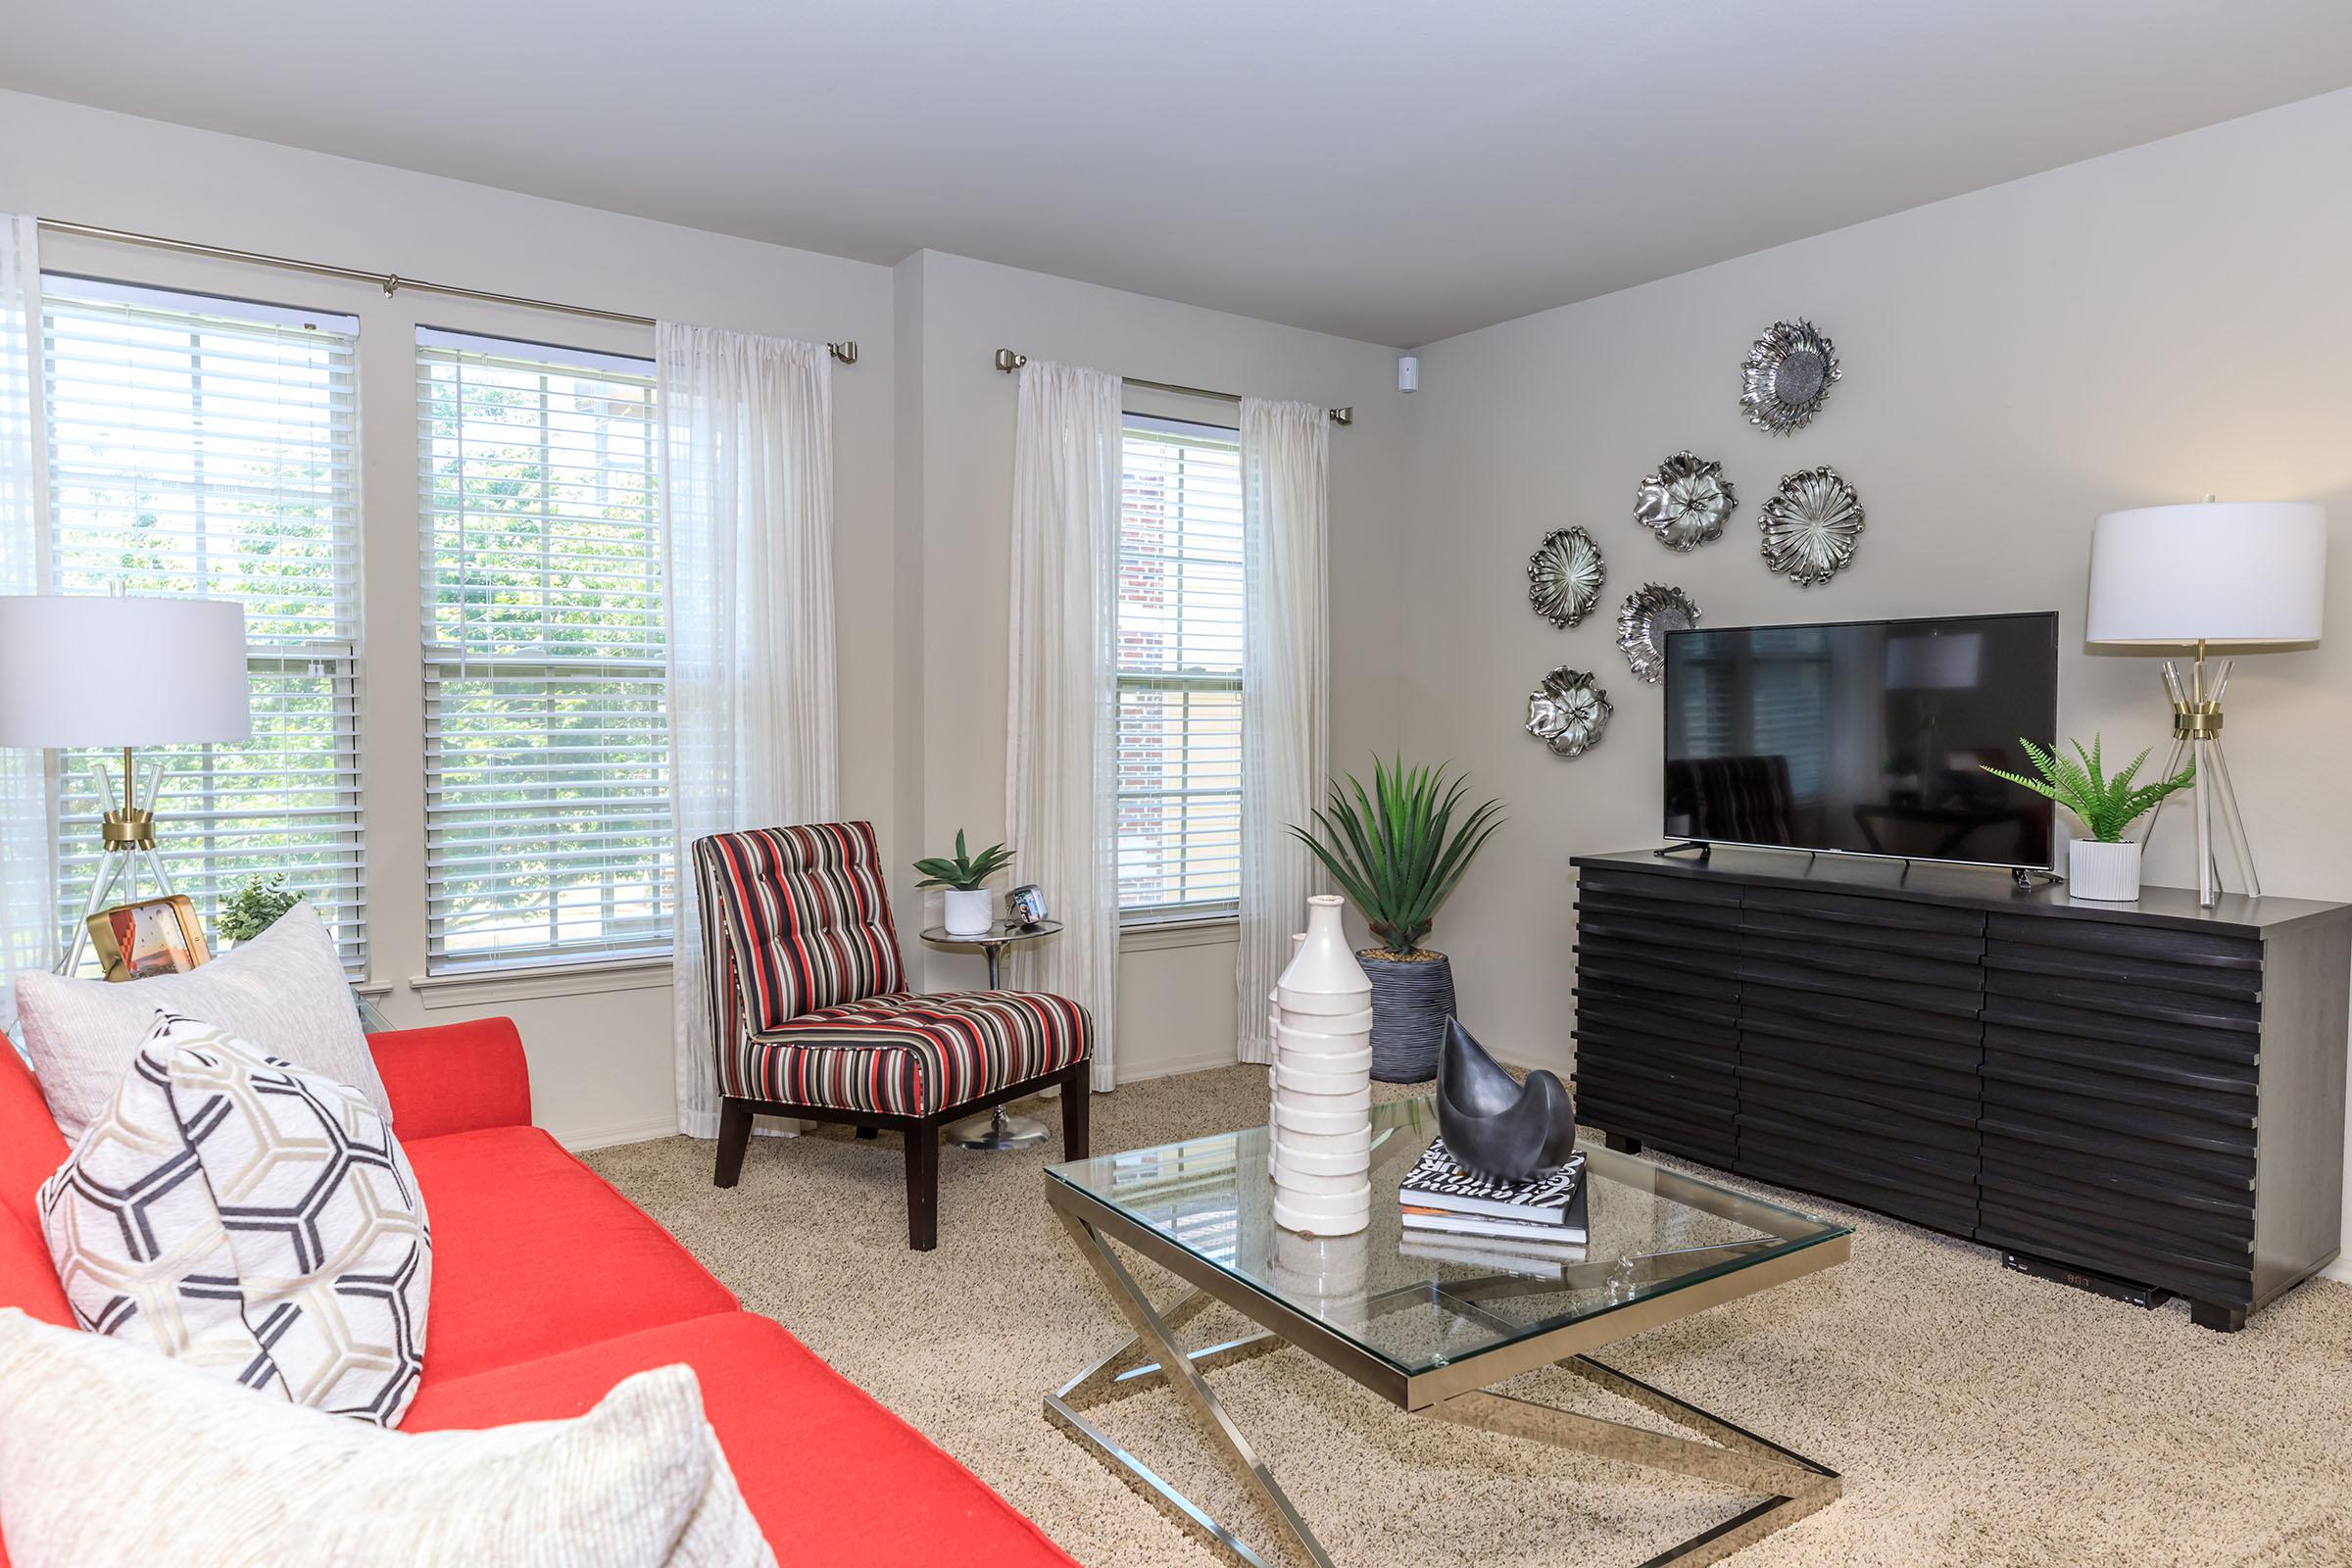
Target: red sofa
548 1286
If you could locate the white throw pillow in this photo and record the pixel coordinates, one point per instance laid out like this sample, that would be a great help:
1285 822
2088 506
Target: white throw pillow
285 991
251 1218
111 1456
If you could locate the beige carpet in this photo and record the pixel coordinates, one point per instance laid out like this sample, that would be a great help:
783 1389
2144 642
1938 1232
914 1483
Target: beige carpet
1979 1417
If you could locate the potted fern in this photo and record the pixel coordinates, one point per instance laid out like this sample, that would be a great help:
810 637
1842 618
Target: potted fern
2106 866
253 909
968 907
1398 852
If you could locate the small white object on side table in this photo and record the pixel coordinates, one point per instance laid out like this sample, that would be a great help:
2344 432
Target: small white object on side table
993 1128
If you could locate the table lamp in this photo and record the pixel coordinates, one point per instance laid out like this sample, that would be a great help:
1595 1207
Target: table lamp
2227 573
89 670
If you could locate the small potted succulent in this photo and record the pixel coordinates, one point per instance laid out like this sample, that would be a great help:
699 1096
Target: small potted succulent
254 908
1398 852
2105 865
968 907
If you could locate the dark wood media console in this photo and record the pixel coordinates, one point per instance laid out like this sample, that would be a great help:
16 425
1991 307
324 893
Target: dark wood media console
2151 1092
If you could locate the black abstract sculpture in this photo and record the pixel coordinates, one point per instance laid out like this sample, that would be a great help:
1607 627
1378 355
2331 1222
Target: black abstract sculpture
1493 1125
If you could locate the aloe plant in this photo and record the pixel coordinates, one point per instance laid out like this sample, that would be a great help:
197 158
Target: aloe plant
2105 806
1396 851
964 874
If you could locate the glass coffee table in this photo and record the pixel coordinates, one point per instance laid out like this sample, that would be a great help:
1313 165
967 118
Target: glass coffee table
1432 1323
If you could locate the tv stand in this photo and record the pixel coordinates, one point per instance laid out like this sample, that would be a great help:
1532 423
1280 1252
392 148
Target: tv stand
2152 1092
1705 848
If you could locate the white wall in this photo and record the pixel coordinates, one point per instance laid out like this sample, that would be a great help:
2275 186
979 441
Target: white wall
1177 998
2151 326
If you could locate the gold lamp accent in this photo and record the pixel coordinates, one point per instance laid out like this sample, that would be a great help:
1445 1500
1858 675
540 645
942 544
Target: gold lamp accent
83 670
2230 572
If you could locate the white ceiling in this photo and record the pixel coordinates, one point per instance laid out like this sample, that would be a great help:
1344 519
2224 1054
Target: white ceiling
1395 170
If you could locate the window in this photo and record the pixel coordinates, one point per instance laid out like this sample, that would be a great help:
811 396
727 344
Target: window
205 447
1179 670
545 744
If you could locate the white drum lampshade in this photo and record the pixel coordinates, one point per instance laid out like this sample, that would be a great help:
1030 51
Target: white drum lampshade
2218 571
80 669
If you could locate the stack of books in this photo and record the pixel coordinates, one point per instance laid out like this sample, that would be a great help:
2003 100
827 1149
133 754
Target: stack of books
1533 1226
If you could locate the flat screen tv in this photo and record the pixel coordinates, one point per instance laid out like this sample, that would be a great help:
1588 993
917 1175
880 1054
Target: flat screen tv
1863 737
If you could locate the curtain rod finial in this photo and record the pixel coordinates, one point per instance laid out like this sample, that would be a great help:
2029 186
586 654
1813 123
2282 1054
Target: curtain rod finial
1345 416
845 353
1008 362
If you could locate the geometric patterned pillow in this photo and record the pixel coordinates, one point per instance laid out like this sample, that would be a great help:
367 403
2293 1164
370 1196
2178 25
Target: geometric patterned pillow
236 1212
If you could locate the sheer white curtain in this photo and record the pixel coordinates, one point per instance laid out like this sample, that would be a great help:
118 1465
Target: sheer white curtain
28 928
1061 782
747 523
1286 688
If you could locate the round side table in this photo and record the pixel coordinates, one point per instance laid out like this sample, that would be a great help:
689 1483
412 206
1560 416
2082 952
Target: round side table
993 1129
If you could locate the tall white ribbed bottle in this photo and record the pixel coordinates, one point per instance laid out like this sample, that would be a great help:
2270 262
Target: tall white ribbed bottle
1323 1082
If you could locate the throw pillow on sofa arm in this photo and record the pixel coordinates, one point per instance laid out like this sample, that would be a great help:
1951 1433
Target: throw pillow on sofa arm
232 1210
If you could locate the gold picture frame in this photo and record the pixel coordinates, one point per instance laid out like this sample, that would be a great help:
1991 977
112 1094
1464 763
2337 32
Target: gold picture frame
149 937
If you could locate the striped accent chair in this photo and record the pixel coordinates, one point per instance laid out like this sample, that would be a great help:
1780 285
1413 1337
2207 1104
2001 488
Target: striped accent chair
810 1015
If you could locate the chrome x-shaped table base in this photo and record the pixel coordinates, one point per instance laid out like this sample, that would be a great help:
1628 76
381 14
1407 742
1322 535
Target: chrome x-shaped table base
1732 1456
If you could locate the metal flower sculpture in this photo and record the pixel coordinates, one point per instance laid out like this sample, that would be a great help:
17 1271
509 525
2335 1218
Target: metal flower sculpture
1810 527
1564 575
1644 621
1788 374
1568 712
1686 503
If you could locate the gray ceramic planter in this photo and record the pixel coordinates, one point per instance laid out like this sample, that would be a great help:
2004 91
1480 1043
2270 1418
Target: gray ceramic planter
1410 1004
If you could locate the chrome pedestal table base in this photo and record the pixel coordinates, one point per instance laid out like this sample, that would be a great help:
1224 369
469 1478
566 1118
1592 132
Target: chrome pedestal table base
1793 1486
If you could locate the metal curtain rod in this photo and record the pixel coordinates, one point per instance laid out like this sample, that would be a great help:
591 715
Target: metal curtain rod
1008 362
391 282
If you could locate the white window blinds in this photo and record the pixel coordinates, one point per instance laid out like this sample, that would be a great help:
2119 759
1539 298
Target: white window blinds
1179 670
206 447
547 747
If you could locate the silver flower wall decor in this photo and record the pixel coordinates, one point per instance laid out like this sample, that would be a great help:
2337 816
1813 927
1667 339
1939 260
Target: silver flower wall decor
1811 526
1564 576
1568 711
1788 374
1686 503
1644 624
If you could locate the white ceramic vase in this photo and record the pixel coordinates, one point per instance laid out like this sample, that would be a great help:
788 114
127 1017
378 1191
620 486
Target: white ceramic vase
2107 872
1322 1083
968 914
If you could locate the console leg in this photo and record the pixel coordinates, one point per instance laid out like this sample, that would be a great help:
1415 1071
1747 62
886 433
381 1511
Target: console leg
2220 1319
1621 1144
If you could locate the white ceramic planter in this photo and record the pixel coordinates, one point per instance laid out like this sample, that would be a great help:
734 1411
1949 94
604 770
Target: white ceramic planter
1322 1084
968 914
2107 872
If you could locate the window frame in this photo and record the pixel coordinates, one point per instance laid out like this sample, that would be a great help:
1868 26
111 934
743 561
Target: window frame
441 660
1172 916
190 833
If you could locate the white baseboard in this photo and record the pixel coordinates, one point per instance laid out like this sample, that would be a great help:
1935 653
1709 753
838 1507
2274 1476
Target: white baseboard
2340 1269
1171 1066
582 1139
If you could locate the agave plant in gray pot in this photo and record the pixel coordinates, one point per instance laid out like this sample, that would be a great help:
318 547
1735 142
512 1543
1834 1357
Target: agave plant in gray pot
1399 850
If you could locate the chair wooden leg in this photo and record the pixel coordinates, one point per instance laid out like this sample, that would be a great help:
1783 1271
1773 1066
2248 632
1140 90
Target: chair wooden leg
734 1137
1074 1096
922 1187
